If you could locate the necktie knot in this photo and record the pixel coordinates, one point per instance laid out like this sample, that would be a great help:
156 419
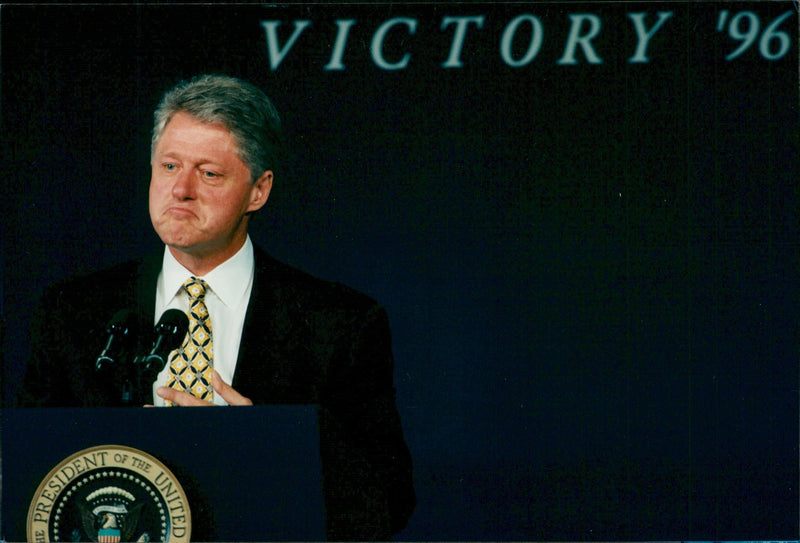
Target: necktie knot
196 288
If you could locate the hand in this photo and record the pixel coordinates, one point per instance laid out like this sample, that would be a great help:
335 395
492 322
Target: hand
184 399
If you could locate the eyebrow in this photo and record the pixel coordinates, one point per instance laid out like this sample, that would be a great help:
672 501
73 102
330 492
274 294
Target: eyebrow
199 162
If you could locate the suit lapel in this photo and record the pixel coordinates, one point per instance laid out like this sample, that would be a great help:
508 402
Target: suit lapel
256 365
145 301
265 369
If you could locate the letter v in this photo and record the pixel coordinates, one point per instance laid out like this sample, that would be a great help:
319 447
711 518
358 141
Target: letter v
276 54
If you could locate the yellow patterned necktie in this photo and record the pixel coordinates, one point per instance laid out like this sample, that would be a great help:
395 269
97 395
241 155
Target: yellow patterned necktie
191 363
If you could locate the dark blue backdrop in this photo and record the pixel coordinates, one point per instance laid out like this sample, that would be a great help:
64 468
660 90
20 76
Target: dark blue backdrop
590 269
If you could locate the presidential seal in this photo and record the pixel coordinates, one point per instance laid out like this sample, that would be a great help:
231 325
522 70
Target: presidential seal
109 494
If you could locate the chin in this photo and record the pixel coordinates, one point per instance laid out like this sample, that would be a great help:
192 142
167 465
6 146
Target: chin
177 241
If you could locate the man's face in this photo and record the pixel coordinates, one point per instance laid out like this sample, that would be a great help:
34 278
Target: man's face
201 191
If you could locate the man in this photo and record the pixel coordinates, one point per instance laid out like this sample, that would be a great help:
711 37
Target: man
269 334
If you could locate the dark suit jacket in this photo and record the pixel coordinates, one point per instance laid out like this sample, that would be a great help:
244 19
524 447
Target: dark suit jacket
304 341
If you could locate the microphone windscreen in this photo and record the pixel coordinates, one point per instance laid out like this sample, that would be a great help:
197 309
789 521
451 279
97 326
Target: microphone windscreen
123 323
172 326
121 330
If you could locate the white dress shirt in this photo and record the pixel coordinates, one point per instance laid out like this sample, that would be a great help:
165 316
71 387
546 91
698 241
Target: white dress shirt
230 285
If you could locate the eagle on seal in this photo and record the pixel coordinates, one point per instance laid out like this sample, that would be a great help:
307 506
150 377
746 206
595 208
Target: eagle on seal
107 526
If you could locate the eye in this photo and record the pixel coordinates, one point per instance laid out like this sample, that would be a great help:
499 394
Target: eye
169 166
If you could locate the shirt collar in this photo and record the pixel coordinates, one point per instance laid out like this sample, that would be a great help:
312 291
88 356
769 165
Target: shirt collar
229 280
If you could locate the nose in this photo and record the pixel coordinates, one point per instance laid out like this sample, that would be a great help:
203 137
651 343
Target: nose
184 187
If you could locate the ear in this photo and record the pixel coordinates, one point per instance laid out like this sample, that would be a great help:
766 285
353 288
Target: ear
259 193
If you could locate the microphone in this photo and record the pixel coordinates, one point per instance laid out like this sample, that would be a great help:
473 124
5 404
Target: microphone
170 331
120 330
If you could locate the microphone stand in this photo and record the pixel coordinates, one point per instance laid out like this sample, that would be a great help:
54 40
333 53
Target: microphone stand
147 369
139 372
169 333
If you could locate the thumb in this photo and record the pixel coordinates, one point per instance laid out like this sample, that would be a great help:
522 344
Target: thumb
227 392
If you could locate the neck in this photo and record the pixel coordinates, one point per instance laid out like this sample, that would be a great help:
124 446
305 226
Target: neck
201 263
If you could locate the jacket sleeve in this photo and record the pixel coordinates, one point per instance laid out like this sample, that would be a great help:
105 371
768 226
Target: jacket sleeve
365 458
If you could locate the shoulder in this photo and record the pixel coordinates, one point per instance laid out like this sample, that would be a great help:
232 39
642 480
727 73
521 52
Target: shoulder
106 282
123 271
301 288
80 306
94 297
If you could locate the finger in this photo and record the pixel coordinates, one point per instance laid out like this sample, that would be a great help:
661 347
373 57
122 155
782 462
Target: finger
181 398
227 392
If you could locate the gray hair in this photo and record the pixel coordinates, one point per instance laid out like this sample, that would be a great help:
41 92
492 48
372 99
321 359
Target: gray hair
243 109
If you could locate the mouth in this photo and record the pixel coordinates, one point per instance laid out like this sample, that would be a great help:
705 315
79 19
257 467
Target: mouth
179 212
